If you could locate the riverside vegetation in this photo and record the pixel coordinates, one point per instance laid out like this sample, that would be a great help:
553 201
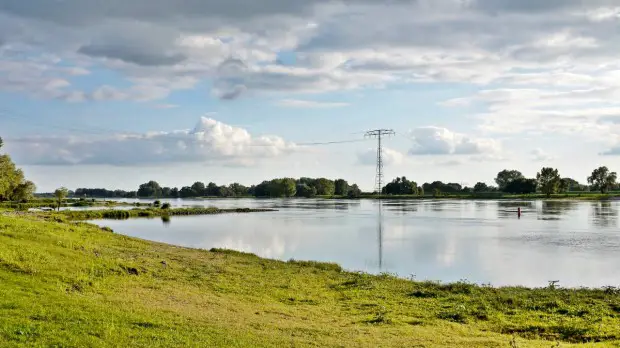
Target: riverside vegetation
73 284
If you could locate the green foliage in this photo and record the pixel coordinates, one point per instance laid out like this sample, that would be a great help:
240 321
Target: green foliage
548 180
521 186
285 187
13 186
325 187
505 177
199 189
400 186
481 187
165 206
150 189
602 179
341 187
60 195
303 190
354 191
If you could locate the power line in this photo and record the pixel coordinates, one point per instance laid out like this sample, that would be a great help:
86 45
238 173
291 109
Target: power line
379 133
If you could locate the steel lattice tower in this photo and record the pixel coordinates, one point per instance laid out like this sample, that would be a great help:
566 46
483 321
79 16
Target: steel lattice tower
379 133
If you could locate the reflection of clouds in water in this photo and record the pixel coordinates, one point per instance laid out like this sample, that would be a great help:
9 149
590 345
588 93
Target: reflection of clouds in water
273 248
442 240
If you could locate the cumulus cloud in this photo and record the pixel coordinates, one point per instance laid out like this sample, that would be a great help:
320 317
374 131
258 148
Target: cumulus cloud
390 157
210 142
441 141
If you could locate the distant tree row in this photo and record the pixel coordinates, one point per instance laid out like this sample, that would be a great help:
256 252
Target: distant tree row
548 181
13 185
283 187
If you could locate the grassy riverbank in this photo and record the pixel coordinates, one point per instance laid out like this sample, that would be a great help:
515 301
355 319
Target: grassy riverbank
67 215
72 284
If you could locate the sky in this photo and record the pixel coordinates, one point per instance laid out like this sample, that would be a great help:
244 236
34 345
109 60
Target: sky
115 93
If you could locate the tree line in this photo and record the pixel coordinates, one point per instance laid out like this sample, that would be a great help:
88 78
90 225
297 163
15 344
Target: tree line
13 184
281 187
548 181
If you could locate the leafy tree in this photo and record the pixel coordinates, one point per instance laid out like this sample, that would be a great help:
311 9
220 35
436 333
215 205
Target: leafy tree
325 187
260 190
354 191
13 185
238 190
186 192
212 190
24 191
150 189
602 179
60 195
224 191
505 177
481 187
174 193
303 190
290 187
521 186
400 186
341 187
548 180
199 189
1 142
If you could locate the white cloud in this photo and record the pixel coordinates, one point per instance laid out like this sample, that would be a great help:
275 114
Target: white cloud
390 157
311 104
441 141
539 155
210 142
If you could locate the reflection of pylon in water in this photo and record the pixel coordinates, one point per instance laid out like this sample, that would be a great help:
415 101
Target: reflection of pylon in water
380 235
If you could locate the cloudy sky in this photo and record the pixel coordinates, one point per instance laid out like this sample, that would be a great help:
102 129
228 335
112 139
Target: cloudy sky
115 93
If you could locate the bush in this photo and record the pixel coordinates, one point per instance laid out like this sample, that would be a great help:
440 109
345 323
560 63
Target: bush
156 203
165 206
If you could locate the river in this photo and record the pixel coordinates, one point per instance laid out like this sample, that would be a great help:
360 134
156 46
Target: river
574 242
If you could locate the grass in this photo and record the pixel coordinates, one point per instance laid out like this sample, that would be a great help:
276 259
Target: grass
67 215
72 284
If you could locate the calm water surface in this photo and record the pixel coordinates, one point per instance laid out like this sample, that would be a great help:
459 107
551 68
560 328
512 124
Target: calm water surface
577 243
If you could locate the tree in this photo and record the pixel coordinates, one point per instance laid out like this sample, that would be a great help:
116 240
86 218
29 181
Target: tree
354 191
24 191
1 142
341 187
481 187
325 187
13 185
199 189
303 190
400 186
602 179
60 195
186 192
150 189
521 186
238 190
212 190
505 177
548 180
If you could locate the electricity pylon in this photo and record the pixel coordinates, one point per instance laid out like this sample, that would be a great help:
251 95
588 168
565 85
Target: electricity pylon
379 133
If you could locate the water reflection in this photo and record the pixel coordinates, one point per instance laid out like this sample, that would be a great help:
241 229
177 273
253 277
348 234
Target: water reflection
553 210
482 241
604 214
165 221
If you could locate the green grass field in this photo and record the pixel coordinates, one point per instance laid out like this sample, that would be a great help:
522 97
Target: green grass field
71 284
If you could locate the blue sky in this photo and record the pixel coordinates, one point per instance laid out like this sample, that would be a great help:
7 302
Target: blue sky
106 94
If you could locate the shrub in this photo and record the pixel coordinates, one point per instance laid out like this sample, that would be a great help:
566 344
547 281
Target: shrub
165 206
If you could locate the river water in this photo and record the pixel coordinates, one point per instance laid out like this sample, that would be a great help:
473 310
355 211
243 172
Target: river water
575 243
